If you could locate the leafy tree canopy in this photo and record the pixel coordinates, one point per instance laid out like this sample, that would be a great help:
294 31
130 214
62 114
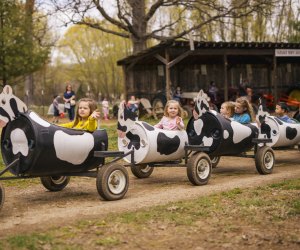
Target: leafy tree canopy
93 54
20 53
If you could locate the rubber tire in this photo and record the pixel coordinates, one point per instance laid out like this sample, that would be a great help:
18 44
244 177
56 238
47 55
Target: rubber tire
142 171
55 183
264 160
214 161
108 190
192 169
2 196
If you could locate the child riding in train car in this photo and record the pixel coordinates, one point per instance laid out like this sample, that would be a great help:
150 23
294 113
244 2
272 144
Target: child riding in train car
227 109
243 111
86 117
281 112
172 119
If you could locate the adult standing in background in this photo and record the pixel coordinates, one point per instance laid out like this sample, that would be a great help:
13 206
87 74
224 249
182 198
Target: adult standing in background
177 94
243 88
69 99
213 92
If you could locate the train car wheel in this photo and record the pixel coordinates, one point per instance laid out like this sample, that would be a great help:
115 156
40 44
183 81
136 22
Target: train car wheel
199 169
55 183
112 182
2 196
215 161
264 160
142 171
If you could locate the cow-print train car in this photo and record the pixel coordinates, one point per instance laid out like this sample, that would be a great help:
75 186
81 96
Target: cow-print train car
224 137
33 147
208 137
153 147
282 134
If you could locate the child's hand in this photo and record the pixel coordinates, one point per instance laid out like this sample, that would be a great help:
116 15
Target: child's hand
177 120
178 123
96 114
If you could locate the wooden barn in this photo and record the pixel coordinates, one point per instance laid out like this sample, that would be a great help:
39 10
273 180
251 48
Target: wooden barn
267 67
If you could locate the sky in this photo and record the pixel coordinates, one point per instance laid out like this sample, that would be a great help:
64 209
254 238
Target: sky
57 23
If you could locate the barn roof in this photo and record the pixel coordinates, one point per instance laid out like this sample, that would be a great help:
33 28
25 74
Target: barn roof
218 48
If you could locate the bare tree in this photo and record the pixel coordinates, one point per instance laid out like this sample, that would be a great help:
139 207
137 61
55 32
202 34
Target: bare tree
132 17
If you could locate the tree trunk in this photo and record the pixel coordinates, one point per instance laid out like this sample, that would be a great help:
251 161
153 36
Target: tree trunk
139 25
2 57
29 85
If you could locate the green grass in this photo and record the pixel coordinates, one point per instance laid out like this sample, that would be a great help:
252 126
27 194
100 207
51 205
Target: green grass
32 241
108 241
286 185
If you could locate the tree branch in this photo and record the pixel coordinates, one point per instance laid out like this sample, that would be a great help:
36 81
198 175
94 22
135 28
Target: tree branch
99 27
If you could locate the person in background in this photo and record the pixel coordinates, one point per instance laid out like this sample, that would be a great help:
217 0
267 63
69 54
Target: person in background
105 108
281 112
172 117
212 106
213 91
69 99
242 88
177 94
227 109
56 114
249 92
86 117
243 111
133 104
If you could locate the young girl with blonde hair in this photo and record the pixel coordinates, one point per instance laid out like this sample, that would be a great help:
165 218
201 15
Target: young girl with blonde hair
243 111
227 109
172 117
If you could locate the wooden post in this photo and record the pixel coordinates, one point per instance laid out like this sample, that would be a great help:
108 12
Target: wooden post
225 78
168 76
274 78
125 82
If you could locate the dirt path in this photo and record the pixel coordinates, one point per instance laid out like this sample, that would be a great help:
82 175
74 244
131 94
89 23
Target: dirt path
34 207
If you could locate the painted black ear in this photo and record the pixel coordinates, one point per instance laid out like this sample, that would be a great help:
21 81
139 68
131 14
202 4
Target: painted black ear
14 107
121 128
197 109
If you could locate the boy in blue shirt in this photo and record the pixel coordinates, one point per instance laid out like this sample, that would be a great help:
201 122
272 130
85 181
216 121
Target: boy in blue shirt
281 112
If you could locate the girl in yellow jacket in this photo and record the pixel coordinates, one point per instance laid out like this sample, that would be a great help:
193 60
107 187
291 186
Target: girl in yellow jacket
86 117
